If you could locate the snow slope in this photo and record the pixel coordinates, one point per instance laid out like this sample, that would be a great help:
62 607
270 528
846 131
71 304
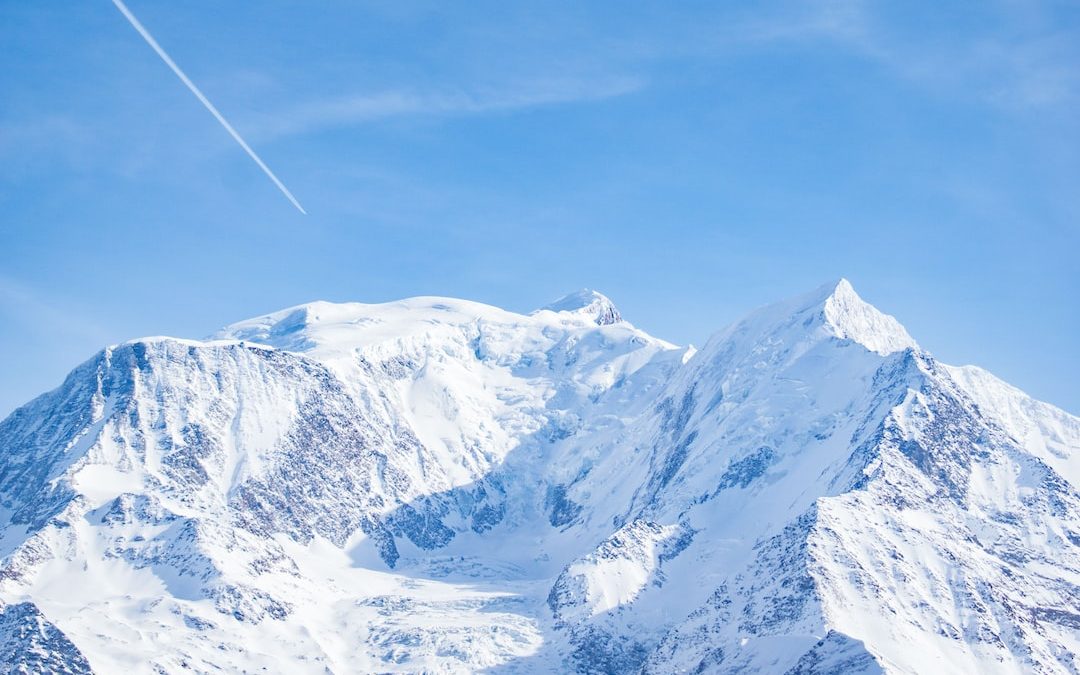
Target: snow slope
436 485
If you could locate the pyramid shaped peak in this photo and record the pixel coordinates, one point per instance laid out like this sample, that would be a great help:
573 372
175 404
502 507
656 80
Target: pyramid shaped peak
851 317
844 287
832 309
838 287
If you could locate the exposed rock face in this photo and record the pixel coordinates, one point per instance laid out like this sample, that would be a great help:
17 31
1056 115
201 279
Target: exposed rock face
30 644
438 485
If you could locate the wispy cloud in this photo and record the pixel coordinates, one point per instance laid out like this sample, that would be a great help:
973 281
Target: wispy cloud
44 139
1008 62
29 307
360 108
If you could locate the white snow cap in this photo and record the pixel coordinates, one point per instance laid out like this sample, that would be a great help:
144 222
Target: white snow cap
588 302
851 317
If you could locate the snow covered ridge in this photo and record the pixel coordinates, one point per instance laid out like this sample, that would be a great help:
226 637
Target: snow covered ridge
436 485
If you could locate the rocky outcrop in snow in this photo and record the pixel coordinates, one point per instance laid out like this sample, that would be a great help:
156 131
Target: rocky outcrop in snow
29 644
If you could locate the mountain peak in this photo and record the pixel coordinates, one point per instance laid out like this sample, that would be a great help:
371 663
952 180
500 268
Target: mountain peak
831 310
588 302
645 513
851 317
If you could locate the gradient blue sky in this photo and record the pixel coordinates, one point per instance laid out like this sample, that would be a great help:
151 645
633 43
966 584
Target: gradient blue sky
691 160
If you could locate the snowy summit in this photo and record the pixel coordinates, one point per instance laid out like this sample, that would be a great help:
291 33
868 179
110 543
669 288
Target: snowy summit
589 303
438 485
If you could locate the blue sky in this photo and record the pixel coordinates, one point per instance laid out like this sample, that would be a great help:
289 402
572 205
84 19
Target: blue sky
691 160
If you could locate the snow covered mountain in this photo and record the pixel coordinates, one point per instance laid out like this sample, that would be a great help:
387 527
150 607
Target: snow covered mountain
436 485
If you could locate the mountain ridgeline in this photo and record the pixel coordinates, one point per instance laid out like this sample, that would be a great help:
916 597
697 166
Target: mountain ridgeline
437 485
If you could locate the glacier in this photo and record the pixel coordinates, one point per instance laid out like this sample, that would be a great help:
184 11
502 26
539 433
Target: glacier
442 486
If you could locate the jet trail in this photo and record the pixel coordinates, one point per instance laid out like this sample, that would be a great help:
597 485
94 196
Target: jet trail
205 101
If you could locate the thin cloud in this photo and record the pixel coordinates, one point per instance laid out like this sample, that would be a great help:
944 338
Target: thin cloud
1022 70
27 306
361 108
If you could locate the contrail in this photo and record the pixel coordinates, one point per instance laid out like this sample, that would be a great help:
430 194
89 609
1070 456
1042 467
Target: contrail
205 101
